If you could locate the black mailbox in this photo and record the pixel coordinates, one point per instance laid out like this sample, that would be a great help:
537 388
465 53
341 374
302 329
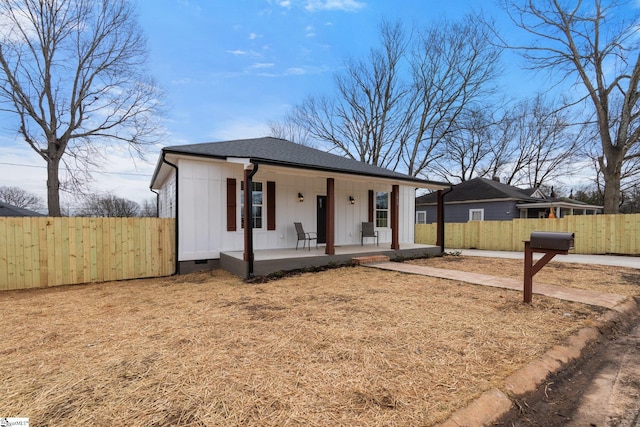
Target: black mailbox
551 240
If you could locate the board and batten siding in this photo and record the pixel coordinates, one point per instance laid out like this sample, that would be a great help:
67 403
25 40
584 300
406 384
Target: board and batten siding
166 197
203 202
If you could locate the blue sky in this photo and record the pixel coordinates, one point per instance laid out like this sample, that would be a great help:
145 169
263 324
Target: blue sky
229 67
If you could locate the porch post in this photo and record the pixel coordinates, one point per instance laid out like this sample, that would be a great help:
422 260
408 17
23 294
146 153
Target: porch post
248 218
330 230
247 214
395 216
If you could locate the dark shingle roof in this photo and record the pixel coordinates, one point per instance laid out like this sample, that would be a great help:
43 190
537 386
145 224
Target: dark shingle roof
479 189
9 210
281 152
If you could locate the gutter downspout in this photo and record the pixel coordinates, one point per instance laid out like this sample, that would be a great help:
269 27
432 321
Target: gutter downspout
177 234
157 201
248 224
441 224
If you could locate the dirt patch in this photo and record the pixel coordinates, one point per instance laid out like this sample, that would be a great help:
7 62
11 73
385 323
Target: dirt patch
348 346
600 388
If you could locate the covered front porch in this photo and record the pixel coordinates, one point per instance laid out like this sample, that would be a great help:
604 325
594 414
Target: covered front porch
273 260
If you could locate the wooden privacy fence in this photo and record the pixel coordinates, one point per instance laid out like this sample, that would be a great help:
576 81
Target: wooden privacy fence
46 251
594 234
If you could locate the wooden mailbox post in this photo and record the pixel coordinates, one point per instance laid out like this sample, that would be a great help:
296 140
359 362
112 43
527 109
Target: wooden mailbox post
548 243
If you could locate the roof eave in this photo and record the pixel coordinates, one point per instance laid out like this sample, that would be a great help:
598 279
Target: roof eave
472 201
558 204
413 181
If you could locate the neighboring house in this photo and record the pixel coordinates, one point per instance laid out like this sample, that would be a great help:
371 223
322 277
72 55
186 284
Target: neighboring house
482 199
9 210
203 186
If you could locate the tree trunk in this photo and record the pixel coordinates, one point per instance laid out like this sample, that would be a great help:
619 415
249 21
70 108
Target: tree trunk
611 175
53 186
611 193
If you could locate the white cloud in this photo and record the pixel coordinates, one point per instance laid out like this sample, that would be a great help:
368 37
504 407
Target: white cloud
285 3
263 65
310 31
298 71
253 36
11 27
343 5
238 52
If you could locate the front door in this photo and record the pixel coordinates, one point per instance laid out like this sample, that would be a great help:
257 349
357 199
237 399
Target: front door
321 226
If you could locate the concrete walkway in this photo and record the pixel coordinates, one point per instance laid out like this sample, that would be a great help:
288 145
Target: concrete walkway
596 298
613 260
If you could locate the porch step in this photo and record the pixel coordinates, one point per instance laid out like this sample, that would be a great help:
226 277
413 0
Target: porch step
369 259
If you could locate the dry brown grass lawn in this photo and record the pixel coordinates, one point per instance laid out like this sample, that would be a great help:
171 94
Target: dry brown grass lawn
350 346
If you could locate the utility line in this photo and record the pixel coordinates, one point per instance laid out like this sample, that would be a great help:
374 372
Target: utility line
91 171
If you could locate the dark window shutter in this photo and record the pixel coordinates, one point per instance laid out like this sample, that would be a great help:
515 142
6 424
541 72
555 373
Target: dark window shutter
271 205
372 200
231 204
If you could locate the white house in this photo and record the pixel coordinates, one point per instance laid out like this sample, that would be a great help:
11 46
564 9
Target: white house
203 187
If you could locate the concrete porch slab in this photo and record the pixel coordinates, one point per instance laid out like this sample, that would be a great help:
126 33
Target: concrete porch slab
274 260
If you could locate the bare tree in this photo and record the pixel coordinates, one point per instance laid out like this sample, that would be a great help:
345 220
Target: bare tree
16 196
288 129
366 120
395 107
531 144
591 42
503 156
149 208
72 72
631 200
108 206
467 147
544 146
550 145
453 67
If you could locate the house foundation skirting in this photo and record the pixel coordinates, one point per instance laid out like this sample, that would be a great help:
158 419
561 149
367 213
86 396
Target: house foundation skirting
186 267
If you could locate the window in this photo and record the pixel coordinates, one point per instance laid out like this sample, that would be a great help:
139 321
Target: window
382 209
257 204
476 214
421 217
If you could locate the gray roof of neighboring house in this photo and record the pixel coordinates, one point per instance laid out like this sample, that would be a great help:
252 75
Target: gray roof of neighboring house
280 152
479 189
482 189
9 210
